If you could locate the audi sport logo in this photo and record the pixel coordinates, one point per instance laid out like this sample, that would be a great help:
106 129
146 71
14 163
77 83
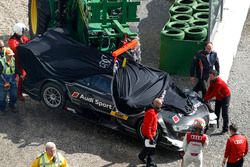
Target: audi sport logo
75 94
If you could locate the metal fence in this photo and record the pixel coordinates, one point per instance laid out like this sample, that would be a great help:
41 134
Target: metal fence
215 16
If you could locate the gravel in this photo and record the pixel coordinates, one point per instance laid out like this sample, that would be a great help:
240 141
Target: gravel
23 135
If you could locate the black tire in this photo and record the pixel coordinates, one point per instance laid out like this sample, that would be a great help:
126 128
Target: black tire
201 7
141 137
39 16
173 34
195 33
177 25
182 17
181 9
201 16
53 96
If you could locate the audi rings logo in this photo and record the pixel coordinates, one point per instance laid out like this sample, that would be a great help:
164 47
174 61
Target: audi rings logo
75 94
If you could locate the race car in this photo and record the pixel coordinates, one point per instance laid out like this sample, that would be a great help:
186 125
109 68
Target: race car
65 74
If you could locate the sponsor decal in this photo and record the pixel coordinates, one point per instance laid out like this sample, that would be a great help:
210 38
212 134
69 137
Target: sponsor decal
176 119
97 102
75 94
119 115
105 62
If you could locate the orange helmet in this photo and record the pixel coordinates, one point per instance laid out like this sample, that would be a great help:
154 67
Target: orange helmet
9 52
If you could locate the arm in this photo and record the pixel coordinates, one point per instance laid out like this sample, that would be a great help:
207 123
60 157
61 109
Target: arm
227 151
212 90
217 64
148 121
185 143
206 142
64 163
193 66
35 163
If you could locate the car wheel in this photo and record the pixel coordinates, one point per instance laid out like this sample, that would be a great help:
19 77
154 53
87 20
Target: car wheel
53 96
39 16
140 135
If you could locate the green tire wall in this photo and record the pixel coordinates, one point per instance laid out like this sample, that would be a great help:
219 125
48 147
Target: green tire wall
180 9
199 23
182 17
177 25
195 33
186 2
173 34
201 7
201 16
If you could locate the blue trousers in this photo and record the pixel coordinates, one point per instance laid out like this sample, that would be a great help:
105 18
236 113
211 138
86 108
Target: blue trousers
12 94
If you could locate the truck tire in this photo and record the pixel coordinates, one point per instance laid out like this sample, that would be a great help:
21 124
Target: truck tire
201 7
39 16
186 2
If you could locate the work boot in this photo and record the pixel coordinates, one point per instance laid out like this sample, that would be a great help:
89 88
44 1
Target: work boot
151 165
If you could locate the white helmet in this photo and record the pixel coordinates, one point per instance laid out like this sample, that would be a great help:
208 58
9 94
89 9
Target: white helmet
20 28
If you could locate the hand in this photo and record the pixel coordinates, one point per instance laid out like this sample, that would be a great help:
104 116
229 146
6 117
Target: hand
7 85
22 77
152 142
223 163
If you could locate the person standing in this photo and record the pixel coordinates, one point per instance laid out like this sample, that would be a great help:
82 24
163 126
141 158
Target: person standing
236 148
8 81
15 40
149 128
219 89
193 144
204 61
2 49
50 158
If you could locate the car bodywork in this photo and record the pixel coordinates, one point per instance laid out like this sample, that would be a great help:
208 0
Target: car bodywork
86 86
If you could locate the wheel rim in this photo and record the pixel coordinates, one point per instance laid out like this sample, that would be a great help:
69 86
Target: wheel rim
52 97
33 15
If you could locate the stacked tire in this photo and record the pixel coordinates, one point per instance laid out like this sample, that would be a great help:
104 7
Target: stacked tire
189 16
183 35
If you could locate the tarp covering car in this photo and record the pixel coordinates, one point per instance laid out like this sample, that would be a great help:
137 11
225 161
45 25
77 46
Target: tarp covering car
136 86
56 55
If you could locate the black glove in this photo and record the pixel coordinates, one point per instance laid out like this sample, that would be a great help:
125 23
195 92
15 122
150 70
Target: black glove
152 142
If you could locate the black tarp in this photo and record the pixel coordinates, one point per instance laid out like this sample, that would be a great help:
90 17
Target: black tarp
56 55
136 85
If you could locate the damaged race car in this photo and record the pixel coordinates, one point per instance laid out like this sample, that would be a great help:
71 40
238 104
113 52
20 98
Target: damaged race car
64 74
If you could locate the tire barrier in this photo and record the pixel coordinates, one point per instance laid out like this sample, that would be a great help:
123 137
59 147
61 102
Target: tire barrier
182 17
177 25
195 33
186 2
182 9
199 23
173 34
201 16
201 7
